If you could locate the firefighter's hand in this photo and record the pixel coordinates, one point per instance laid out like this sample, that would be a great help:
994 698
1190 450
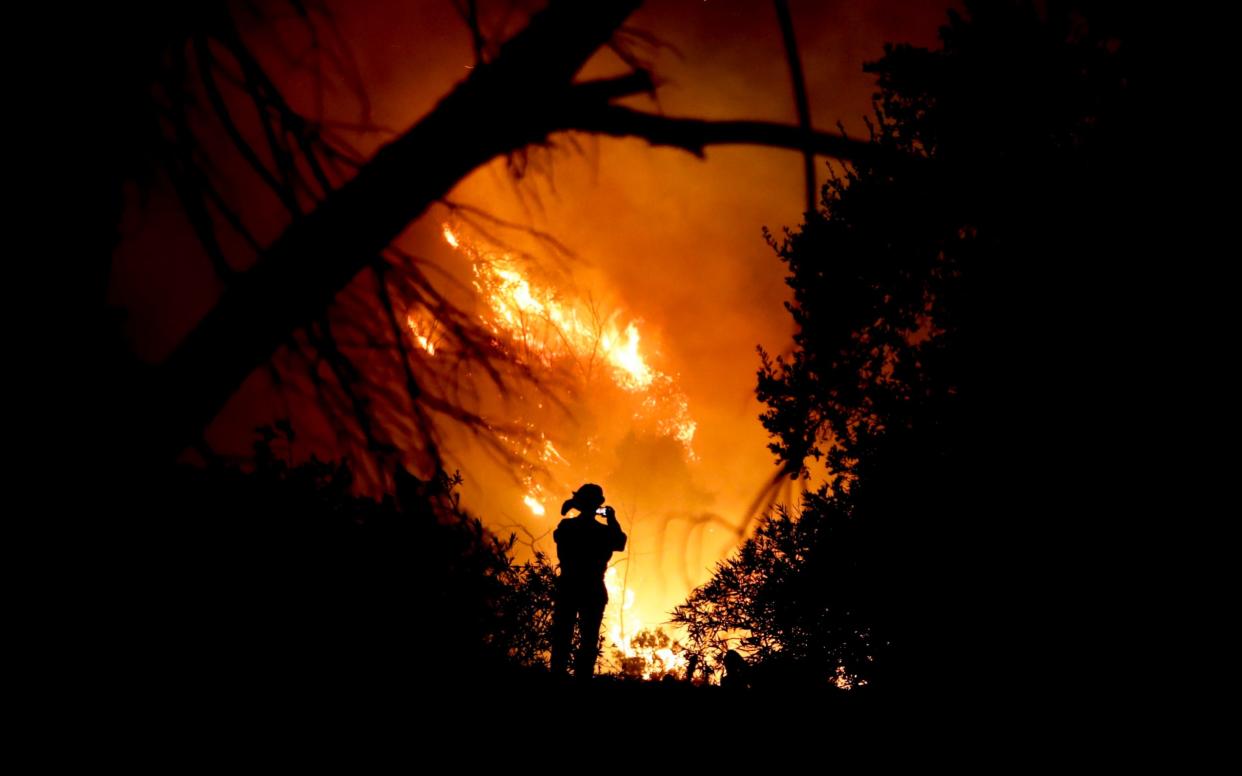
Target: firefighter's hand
610 514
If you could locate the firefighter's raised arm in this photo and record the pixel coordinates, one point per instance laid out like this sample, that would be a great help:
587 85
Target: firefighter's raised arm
618 536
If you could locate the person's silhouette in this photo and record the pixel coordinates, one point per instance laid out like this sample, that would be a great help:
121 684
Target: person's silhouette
583 547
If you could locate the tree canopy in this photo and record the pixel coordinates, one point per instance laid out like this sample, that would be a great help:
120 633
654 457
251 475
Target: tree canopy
948 298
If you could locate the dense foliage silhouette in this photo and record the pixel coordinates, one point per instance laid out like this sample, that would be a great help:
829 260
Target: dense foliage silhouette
956 364
277 576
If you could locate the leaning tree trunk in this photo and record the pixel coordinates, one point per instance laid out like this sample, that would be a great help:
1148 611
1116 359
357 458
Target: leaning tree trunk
494 111
520 97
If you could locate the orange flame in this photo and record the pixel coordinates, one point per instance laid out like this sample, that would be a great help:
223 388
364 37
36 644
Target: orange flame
424 331
845 681
550 327
449 237
641 653
633 371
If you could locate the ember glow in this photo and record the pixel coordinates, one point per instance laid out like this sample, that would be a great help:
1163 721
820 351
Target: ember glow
449 237
844 681
643 653
425 331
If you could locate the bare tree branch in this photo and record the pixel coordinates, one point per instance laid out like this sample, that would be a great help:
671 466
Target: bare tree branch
321 252
800 99
694 135
529 84
605 89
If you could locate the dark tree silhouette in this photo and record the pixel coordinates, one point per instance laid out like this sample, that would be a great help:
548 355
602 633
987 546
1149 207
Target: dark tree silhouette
524 612
951 299
793 596
279 579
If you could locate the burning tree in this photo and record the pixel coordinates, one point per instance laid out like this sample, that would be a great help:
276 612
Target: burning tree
570 347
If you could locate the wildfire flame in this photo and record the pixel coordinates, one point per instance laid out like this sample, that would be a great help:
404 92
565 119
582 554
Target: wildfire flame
424 331
548 327
632 372
643 652
449 237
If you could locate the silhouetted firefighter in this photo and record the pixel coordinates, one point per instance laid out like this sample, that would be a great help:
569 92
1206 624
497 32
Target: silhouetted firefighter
583 547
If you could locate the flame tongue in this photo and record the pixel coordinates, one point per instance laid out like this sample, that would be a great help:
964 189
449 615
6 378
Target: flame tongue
449 237
550 326
632 372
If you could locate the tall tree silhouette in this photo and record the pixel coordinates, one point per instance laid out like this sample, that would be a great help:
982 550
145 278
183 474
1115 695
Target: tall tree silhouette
794 596
947 366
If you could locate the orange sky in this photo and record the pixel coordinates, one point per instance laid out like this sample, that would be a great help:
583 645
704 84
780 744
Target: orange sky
669 240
